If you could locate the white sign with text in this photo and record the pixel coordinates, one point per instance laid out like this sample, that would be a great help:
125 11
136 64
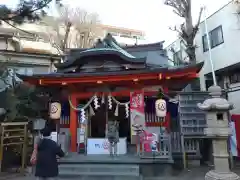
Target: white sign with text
101 146
54 136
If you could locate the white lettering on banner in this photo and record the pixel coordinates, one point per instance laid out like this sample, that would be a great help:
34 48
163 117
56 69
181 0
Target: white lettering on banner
101 146
104 145
137 101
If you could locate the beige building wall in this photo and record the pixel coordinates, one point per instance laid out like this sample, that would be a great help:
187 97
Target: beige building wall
50 34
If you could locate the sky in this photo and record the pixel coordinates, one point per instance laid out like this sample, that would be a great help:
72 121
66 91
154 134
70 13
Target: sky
150 16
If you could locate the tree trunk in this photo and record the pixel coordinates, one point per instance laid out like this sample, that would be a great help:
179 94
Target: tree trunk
65 40
191 53
188 19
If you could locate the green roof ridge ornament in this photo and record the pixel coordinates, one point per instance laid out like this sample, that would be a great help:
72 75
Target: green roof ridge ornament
117 47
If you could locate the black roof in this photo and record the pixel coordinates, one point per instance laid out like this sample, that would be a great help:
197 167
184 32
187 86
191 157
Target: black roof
106 48
152 69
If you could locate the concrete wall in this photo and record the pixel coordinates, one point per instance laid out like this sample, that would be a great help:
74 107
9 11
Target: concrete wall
227 53
224 55
29 65
25 62
154 53
153 57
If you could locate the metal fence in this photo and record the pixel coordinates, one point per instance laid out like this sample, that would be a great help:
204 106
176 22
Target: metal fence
192 120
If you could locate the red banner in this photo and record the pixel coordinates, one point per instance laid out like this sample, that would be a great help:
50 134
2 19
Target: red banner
137 101
137 112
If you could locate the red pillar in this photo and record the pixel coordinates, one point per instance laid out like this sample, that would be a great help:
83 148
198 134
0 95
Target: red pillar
73 124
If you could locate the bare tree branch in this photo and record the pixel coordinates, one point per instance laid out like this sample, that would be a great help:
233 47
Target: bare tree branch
74 26
176 29
187 30
199 17
86 26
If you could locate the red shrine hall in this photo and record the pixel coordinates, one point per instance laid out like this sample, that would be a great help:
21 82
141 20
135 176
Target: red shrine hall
109 82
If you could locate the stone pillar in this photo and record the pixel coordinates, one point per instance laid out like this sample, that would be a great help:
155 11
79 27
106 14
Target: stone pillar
218 130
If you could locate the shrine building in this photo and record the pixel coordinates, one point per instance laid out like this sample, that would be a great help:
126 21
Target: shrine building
108 82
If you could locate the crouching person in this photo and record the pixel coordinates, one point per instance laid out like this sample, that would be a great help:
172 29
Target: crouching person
46 159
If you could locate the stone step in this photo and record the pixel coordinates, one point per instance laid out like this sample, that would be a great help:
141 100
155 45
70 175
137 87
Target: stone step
100 178
99 170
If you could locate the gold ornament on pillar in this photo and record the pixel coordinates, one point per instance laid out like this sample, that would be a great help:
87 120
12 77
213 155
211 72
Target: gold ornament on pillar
161 105
55 110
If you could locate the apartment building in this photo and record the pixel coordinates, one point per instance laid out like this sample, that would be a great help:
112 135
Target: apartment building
52 30
224 32
25 54
125 36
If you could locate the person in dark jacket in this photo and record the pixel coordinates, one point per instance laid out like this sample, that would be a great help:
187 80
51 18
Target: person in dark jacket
48 150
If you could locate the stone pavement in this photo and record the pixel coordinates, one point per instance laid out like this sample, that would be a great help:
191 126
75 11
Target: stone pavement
197 173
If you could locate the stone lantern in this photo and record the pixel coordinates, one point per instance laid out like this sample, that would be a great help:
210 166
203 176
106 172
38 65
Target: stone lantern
218 130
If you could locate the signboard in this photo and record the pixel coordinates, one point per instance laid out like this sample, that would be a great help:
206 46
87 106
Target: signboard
137 112
233 140
235 137
150 141
101 146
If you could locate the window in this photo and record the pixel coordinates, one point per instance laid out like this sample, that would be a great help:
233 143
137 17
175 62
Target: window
20 71
125 35
24 70
205 43
220 81
137 37
114 33
216 38
29 71
208 82
234 78
177 58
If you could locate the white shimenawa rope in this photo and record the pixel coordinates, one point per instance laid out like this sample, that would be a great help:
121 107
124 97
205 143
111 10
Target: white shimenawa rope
117 102
126 104
110 97
84 107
